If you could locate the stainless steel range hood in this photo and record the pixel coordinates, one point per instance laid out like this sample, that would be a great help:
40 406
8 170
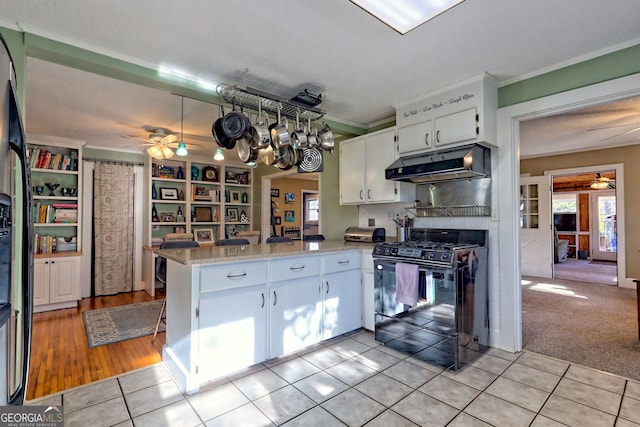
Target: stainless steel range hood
469 161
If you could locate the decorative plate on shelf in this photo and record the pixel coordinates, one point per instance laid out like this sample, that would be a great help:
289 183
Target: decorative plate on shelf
209 173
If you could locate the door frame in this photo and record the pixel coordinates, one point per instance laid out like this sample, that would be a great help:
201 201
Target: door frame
507 332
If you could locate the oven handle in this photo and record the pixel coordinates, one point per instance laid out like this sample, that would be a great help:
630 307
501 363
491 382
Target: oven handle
420 269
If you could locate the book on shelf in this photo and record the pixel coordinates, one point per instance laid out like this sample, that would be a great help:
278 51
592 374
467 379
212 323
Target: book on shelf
40 158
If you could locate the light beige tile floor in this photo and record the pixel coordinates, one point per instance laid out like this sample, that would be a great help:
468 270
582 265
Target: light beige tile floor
354 381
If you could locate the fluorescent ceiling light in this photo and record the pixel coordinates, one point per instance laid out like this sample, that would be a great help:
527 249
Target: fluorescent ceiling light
405 15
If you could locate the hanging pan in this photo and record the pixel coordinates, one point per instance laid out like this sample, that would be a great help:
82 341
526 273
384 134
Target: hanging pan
218 134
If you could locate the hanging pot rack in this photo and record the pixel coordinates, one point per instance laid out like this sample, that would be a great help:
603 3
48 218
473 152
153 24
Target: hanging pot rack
253 99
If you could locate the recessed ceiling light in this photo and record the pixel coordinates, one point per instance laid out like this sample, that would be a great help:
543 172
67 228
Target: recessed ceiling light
405 15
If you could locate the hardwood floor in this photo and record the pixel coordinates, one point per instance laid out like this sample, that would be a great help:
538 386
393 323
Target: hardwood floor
61 358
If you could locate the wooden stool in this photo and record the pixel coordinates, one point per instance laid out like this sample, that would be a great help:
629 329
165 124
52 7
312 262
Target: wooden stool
161 318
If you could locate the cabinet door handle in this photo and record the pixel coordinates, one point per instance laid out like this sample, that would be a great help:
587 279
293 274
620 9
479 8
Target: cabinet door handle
236 276
361 194
262 306
369 194
438 136
426 138
275 298
296 268
343 262
327 291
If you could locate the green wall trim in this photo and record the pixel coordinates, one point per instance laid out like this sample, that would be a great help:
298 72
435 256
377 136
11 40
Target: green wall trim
82 59
15 43
610 66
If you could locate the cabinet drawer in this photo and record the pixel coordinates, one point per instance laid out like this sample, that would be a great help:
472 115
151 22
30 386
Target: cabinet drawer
291 268
341 261
216 278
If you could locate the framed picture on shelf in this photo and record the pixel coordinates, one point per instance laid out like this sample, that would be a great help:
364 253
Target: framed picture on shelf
275 192
203 214
203 235
289 197
179 229
232 215
234 196
289 216
168 193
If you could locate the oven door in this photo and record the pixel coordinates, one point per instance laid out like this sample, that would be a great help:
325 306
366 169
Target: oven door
384 290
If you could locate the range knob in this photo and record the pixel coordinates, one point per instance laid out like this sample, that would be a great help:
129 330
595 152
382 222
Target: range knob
445 256
431 255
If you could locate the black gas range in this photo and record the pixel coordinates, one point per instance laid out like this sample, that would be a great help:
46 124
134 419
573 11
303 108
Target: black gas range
433 254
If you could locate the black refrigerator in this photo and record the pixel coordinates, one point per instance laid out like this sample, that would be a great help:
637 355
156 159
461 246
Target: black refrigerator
16 242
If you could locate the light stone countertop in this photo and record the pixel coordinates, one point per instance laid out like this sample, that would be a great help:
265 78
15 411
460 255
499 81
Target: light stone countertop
266 251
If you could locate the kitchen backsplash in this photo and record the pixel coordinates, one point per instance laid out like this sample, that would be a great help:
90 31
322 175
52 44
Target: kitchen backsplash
384 214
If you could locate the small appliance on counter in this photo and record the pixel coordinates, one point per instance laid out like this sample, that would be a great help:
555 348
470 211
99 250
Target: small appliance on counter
364 235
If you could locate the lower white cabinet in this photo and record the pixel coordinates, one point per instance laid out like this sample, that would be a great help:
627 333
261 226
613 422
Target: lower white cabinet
294 315
56 282
232 330
341 293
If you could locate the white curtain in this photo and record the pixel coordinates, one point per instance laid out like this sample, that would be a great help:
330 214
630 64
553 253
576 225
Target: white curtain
113 228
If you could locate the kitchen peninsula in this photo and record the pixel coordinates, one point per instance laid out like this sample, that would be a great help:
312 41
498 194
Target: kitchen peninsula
231 307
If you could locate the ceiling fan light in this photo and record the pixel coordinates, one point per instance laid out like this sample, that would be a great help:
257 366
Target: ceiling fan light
167 152
219 154
155 151
600 185
182 149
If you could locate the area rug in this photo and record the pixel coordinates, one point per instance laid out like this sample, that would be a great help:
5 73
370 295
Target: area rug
114 324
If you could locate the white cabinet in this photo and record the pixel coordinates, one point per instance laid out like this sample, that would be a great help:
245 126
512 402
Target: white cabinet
415 138
232 330
464 113
56 282
363 161
294 313
368 314
462 126
341 294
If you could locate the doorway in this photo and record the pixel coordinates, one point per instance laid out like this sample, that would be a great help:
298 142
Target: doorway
584 212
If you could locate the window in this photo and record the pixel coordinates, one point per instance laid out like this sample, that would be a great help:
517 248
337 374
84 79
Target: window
312 210
564 203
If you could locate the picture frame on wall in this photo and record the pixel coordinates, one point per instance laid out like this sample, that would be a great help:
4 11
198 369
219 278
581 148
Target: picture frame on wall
275 192
203 235
168 193
289 197
289 216
277 220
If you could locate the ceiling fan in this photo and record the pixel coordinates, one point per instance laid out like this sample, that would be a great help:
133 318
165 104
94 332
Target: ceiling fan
602 182
627 132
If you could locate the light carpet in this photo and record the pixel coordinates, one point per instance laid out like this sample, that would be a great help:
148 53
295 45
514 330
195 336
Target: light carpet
114 324
588 324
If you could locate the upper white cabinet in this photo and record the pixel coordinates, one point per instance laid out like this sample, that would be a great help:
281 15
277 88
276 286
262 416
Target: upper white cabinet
362 164
459 114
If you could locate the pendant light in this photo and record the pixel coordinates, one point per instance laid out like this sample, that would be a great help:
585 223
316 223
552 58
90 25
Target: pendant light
219 154
182 147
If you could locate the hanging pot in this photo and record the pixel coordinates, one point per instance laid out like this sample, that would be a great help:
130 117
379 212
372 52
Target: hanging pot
312 136
245 152
325 136
285 157
259 134
267 155
218 134
235 124
279 133
299 136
